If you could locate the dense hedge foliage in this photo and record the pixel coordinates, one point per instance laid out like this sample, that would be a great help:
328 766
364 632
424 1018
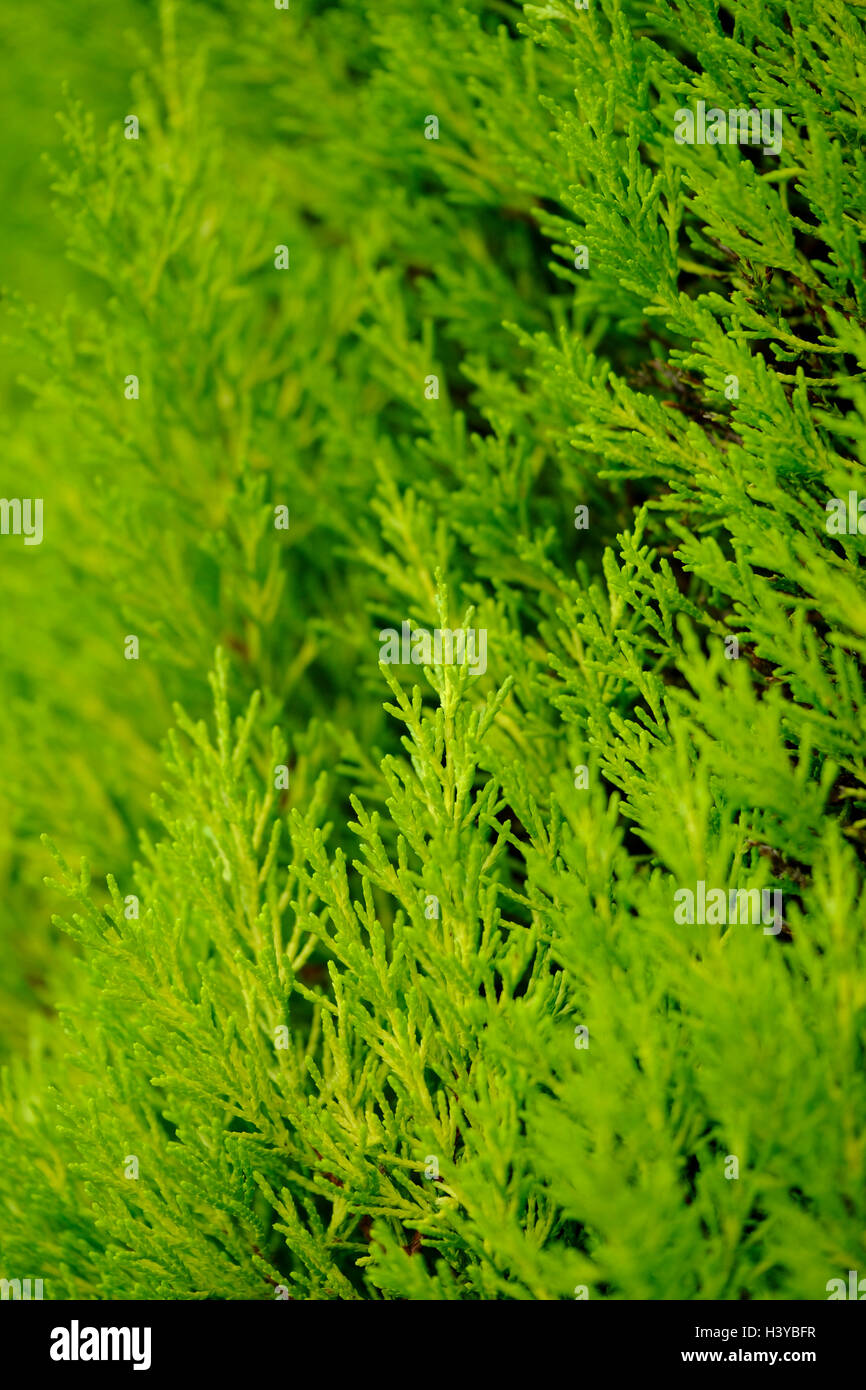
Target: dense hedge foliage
371 983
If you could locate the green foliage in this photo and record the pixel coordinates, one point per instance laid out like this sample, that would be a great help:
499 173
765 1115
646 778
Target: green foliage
435 906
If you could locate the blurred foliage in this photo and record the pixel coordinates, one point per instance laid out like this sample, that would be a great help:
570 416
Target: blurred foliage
302 915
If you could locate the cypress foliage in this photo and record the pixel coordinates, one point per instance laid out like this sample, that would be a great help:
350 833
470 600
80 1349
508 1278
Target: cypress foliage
342 978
